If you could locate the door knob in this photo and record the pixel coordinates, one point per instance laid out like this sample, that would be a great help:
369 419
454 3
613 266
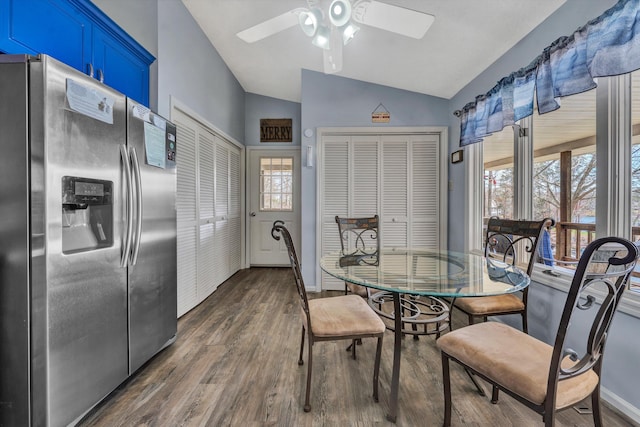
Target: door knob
252 214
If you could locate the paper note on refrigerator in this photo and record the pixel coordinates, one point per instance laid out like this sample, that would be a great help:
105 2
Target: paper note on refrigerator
154 145
90 102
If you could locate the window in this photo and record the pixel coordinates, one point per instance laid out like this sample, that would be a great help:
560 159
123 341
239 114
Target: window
276 184
564 173
635 169
591 145
635 155
498 174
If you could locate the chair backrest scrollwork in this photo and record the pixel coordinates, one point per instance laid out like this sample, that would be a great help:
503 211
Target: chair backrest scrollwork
359 235
606 264
508 238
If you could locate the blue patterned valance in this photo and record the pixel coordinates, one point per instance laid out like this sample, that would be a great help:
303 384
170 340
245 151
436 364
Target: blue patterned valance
606 46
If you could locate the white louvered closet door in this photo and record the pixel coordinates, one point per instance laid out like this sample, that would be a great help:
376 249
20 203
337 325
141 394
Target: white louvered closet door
221 259
425 200
235 227
208 211
335 193
187 226
350 187
206 243
394 212
363 177
394 176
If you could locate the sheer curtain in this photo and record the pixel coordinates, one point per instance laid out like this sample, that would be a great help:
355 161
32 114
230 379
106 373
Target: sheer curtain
606 46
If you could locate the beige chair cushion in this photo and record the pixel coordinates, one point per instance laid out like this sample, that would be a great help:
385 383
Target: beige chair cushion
487 305
344 315
514 360
357 289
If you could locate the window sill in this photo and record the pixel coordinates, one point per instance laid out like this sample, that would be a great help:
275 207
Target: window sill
630 303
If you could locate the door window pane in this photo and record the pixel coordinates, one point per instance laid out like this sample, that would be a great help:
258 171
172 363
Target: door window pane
276 184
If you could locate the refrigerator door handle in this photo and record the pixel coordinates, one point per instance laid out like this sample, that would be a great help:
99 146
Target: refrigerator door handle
138 196
129 201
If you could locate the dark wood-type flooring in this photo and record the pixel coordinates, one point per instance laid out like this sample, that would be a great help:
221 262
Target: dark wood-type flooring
234 363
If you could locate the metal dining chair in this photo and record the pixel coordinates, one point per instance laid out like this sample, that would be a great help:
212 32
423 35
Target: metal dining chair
358 236
544 377
515 242
344 317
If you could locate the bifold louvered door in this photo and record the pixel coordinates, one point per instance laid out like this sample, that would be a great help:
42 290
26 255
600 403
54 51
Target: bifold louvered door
208 211
410 191
227 209
349 187
394 176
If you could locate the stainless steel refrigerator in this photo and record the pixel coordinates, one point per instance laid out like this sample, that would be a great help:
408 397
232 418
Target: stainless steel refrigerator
87 240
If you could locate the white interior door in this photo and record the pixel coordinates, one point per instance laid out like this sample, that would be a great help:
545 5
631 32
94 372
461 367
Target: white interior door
395 175
209 210
274 194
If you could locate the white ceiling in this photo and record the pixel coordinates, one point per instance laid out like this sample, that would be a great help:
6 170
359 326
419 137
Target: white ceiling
466 37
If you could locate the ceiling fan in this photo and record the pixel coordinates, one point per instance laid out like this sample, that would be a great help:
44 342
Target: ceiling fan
333 23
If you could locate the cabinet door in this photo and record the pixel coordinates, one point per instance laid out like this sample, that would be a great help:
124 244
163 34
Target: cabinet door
77 33
120 68
45 26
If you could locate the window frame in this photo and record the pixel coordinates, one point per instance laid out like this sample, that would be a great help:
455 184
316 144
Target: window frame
613 179
261 192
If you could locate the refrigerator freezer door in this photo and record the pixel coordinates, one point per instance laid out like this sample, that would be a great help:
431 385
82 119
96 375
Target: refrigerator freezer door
153 273
14 250
79 125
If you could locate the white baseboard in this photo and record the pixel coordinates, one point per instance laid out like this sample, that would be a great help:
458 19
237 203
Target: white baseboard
618 404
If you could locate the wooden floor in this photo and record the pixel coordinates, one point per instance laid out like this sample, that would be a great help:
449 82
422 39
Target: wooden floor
234 363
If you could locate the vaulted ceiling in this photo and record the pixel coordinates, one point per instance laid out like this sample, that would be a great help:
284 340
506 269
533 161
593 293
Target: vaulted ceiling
465 38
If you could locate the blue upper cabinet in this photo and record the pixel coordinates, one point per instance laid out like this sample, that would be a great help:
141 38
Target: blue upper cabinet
77 33
120 68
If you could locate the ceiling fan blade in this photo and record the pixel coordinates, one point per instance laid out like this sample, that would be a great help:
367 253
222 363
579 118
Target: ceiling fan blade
396 19
333 55
271 26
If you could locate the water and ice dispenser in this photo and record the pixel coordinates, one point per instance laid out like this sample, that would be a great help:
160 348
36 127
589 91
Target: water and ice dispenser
87 214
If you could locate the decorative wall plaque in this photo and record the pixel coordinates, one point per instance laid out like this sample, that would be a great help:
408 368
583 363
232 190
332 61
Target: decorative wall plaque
380 114
275 130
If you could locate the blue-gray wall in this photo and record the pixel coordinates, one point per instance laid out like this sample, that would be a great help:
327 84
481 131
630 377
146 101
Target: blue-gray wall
190 69
333 101
263 107
621 368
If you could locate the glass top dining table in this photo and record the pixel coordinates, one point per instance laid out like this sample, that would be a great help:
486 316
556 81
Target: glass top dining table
406 272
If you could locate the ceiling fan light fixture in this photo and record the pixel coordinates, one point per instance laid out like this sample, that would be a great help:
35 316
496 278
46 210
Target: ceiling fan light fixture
322 37
340 12
349 32
310 21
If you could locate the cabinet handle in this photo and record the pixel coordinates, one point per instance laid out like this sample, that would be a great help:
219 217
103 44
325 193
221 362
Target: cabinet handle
90 71
100 75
